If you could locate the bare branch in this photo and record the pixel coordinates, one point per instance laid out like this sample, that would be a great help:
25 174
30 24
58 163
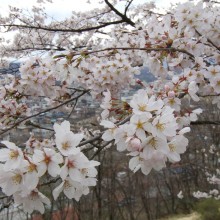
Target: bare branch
101 148
205 123
123 16
128 5
38 126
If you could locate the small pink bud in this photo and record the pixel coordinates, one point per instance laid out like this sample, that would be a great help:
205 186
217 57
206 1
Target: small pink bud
136 144
167 88
171 94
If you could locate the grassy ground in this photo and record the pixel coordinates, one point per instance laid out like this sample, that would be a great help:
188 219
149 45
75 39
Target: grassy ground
193 216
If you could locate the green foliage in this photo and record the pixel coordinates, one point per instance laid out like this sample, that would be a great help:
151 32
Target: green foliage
209 209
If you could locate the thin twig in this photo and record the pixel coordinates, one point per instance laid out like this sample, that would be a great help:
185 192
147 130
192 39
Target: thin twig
123 16
47 110
101 148
205 123
214 45
170 49
126 8
50 29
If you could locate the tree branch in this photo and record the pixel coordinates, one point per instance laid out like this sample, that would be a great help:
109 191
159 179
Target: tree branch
214 45
6 205
126 8
170 49
63 30
47 110
100 149
205 123
38 126
123 16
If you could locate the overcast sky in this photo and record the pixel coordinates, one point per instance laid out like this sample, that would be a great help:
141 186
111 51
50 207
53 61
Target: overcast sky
62 8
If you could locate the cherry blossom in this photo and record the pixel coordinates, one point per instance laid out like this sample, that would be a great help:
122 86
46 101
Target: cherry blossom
12 156
47 160
71 189
66 140
83 55
31 201
11 181
180 195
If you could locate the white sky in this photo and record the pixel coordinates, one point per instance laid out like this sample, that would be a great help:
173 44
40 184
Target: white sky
62 8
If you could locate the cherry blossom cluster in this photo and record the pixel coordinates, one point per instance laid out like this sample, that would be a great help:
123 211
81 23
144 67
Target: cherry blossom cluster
114 72
10 111
159 33
180 48
212 176
26 172
212 193
107 71
153 134
10 108
37 78
177 46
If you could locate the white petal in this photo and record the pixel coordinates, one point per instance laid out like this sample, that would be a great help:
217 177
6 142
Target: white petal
44 199
185 130
57 191
75 175
38 205
4 154
31 180
41 168
76 139
58 158
173 157
9 145
64 172
146 169
53 169
89 182
107 124
107 136
134 164
66 125
38 156
49 152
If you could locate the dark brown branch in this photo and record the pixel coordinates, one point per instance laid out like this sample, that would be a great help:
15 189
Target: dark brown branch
37 126
209 95
215 2
205 123
123 16
6 205
126 8
101 148
214 45
91 140
50 181
37 48
63 30
3 197
47 110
